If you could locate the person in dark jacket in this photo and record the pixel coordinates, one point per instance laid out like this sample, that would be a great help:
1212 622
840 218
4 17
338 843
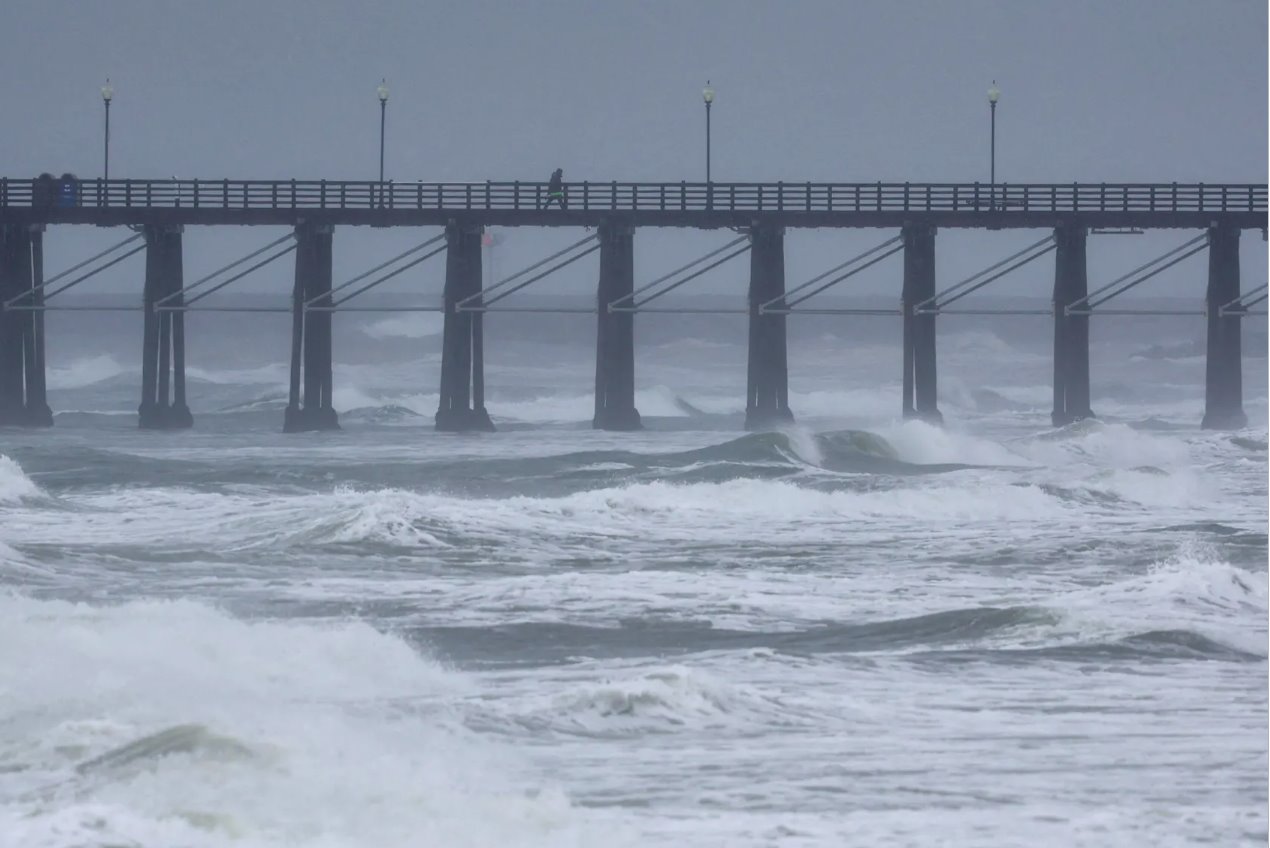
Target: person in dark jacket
555 188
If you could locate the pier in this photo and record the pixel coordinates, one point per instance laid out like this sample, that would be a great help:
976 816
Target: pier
157 215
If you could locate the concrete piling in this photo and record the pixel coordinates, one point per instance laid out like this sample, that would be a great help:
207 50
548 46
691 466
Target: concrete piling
1071 332
1223 385
615 333
163 350
921 395
462 403
22 397
311 356
767 374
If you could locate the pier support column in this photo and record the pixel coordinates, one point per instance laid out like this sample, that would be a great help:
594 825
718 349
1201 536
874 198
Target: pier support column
462 405
311 408
615 333
22 401
1223 387
1071 332
163 346
767 379
921 395
38 413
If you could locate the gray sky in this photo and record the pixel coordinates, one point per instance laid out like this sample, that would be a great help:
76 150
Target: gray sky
1131 90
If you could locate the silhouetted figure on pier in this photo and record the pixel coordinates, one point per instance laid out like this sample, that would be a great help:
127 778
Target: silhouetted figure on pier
555 188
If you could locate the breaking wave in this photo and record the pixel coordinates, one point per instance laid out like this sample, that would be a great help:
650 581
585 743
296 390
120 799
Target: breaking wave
171 723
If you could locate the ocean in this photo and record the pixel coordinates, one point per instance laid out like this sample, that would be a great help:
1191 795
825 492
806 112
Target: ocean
860 631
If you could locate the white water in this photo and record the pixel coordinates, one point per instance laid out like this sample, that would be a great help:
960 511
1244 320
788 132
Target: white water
552 636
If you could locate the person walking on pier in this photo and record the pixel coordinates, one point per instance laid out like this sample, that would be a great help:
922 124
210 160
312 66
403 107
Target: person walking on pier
555 188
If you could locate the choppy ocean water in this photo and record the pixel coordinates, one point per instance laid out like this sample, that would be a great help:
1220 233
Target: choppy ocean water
860 631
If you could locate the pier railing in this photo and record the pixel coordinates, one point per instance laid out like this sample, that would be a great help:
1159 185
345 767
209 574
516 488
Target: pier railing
628 196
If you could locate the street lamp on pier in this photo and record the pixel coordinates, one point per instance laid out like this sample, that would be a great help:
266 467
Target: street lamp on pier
994 94
707 94
107 94
382 91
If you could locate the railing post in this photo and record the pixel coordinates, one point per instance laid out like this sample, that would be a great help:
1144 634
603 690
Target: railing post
613 195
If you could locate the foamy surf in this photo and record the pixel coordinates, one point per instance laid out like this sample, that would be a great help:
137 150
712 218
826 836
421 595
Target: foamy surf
151 722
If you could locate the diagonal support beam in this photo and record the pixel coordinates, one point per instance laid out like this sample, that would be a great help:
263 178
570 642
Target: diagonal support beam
1241 304
11 303
788 304
639 305
204 280
671 275
309 304
1138 275
487 301
90 260
497 288
976 281
188 305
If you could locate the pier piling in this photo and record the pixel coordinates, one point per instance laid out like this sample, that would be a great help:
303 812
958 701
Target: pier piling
462 404
615 333
22 399
163 346
1223 386
920 386
767 382
311 409
1071 332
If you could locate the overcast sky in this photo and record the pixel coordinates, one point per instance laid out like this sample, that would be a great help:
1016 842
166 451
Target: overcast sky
1130 90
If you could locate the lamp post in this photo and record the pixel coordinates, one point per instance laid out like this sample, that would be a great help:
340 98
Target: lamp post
107 93
994 94
707 94
382 91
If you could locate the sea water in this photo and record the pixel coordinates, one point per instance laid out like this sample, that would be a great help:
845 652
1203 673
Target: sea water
860 631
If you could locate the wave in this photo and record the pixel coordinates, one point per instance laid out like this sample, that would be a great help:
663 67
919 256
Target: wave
408 325
1182 608
14 484
87 371
163 723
